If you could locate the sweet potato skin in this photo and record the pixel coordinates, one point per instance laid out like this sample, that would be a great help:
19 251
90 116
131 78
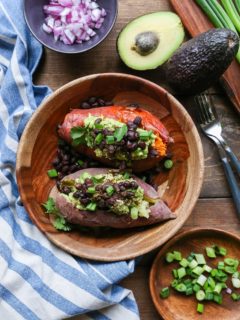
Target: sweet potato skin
159 211
123 114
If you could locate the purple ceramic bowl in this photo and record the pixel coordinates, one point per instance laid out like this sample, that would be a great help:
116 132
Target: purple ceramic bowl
34 16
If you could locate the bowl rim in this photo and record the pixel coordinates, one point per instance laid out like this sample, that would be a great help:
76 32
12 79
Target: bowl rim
175 239
73 52
176 227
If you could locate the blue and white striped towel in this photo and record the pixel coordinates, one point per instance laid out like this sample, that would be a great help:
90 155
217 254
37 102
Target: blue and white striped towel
38 280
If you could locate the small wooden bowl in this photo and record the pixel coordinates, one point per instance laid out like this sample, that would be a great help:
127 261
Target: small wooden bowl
179 187
178 306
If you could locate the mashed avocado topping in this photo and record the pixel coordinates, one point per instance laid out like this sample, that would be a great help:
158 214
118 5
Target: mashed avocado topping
114 192
113 139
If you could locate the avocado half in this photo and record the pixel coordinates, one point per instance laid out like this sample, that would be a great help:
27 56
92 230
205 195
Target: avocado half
148 41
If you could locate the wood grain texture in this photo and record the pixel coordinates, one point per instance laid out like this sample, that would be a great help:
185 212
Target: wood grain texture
181 189
178 306
196 22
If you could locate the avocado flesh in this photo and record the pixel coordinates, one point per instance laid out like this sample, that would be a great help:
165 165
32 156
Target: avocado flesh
166 35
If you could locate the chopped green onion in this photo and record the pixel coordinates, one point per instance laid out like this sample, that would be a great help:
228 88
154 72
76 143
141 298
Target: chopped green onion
222 251
91 190
181 272
230 261
196 287
200 308
80 162
145 135
232 13
177 255
217 298
184 263
209 296
168 164
211 282
99 138
91 206
169 257
126 175
218 288
110 190
200 258
229 269
110 139
221 265
189 291
236 275
174 283
210 252
193 264
134 213
235 296
201 280
181 287
175 273
200 295
52 173
164 293
207 268
198 270
236 283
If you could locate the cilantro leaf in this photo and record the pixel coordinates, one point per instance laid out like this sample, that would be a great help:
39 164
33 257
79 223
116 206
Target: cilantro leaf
49 205
78 135
61 224
120 132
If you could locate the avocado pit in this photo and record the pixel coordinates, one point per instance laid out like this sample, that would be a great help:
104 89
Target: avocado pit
146 42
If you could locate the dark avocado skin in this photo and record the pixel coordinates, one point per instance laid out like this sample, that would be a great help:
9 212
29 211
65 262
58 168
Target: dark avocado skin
200 62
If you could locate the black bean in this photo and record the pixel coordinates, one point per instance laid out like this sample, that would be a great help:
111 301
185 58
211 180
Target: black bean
109 103
66 190
129 145
131 135
134 146
58 185
85 201
134 185
142 145
65 163
85 105
111 149
95 105
55 162
92 100
78 186
98 120
101 102
137 120
122 188
77 194
130 194
101 204
73 168
153 153
60 175
88 182
129 124
124 194
111 202
65 169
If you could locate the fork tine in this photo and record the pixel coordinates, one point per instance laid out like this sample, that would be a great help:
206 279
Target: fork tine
208 107
200 113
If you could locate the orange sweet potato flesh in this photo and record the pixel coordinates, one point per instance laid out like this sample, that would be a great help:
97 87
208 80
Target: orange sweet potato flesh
123 114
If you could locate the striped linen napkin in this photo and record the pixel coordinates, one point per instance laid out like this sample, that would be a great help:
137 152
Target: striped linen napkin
38 280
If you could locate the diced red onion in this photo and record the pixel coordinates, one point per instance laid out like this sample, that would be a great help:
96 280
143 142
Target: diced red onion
229 290
73 20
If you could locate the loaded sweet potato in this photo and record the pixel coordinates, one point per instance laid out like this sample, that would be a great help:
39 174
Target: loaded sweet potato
97 197
115 134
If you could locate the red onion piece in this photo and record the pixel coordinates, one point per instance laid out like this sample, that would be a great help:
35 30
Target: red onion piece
73 21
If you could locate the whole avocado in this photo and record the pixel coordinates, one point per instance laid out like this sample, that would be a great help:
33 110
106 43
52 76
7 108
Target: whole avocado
200 62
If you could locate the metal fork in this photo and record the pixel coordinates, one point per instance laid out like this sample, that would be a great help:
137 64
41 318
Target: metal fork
212 128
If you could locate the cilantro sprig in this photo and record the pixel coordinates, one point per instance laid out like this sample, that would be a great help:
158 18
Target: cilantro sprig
59 222
78 135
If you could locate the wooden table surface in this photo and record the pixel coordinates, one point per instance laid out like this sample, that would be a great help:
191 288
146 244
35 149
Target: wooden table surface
215 207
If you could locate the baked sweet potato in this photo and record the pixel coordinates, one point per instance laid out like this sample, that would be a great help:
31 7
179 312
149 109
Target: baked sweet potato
116 133
154 212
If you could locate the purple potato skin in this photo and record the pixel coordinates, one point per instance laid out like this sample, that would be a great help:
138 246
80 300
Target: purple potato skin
159 211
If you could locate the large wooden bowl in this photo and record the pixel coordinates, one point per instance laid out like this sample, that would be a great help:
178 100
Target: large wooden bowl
179 188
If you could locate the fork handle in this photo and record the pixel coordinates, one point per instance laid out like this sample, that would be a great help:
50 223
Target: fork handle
231 181
234 159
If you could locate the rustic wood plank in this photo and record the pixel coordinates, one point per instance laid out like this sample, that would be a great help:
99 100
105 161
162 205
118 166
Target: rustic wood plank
215 183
